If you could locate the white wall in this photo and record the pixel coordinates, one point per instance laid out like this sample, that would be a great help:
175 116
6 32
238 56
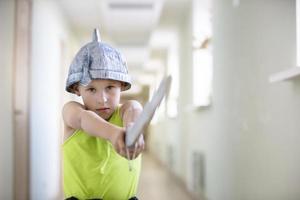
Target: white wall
49 32
249 135
259 121
6 106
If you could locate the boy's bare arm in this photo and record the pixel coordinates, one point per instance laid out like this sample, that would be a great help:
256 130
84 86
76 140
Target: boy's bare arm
75 116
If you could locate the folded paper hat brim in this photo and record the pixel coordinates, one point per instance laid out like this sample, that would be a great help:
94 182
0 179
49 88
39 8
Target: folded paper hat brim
98 74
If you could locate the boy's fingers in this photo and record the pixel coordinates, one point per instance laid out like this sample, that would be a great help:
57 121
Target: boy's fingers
141 142
123 153
142 146
127 154
120 146
134 152
136 149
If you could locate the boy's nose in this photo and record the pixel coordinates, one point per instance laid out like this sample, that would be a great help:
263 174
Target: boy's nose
102 98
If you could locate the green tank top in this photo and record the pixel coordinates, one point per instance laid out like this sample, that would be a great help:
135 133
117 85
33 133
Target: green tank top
93 169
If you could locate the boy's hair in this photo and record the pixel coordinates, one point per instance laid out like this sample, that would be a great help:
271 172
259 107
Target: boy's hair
97 60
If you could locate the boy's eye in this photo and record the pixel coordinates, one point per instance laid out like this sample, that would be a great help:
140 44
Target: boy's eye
110 87
92 89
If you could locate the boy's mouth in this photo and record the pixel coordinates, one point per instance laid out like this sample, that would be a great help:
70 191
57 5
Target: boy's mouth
102 109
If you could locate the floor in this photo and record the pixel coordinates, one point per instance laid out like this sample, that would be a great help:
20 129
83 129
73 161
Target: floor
157 183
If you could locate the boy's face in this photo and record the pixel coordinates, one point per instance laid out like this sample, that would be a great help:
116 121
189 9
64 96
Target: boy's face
101 96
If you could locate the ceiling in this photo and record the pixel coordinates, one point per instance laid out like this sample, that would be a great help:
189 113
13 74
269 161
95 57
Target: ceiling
127 24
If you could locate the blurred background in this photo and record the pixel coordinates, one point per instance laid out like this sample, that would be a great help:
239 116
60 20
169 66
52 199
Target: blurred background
230 128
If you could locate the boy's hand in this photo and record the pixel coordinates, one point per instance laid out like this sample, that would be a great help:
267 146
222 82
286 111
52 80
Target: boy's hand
137 148
118 141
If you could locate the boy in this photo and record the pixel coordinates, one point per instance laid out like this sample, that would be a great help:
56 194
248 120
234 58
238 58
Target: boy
94 137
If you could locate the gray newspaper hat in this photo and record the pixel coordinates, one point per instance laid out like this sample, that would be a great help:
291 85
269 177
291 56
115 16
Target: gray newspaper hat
97 60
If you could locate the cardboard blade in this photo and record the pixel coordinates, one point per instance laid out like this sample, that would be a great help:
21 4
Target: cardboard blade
133 132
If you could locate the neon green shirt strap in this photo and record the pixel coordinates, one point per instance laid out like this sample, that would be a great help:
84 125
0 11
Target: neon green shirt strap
93 169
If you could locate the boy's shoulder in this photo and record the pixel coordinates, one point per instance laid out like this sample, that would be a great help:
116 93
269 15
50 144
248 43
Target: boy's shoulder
130 104
73 104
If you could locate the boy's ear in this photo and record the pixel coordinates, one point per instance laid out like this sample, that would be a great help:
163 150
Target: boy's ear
76 89
123 85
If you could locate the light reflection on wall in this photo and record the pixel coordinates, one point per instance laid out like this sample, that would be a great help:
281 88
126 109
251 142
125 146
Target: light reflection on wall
202 53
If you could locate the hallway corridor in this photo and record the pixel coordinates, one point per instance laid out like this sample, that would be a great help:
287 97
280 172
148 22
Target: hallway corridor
229 127
157 183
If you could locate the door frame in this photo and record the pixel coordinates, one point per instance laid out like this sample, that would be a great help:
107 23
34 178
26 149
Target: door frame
21 98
